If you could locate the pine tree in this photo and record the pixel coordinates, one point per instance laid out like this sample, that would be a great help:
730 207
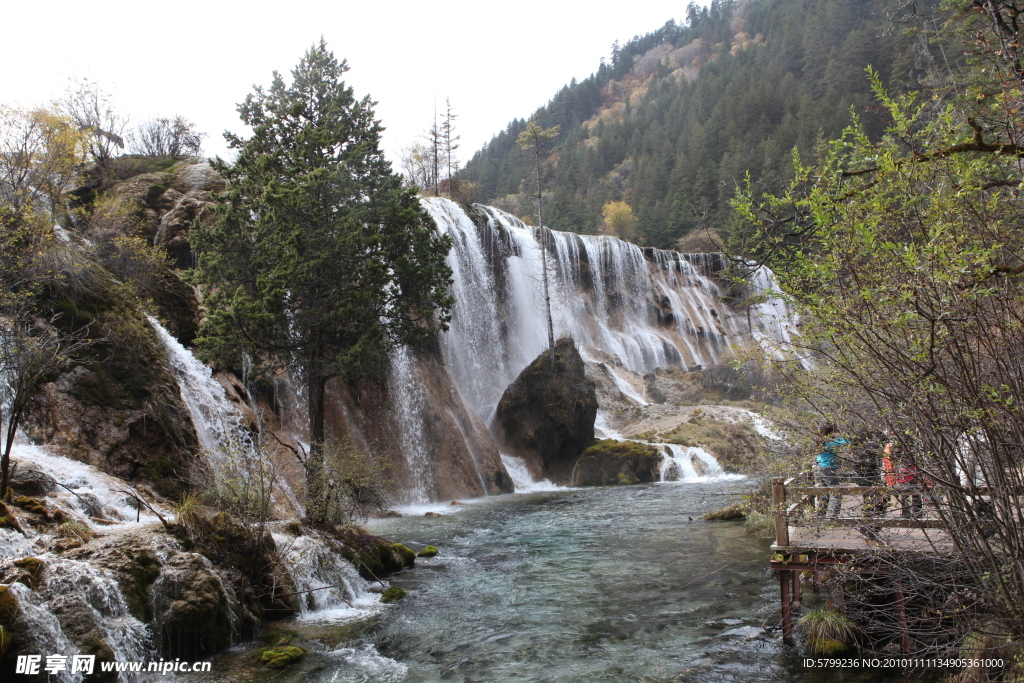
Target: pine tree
451 142
319 257
535 137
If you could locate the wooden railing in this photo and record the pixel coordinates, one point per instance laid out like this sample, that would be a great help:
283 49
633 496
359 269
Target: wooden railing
783 490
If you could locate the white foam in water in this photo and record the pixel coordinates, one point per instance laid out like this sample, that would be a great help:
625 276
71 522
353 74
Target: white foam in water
364 664
329 586
88 486
521 479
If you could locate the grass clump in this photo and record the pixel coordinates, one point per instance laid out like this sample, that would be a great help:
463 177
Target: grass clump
72 528
728 513
828 631
189 515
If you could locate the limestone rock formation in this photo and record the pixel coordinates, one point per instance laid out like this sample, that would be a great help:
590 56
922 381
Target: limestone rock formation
440 449
610 463
136 433
546 416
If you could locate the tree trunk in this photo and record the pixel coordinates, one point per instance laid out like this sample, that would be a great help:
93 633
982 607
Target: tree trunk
544 261
316 490
5 460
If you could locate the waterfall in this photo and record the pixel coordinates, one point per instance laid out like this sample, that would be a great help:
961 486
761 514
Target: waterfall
327 583
650 308
217 422
410 401
773 322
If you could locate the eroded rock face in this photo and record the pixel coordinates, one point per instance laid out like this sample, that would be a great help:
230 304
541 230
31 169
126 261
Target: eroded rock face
546 416
91 418
192 609
439 448
610 463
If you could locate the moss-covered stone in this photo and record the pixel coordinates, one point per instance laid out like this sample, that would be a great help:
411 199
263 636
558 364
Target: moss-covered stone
280 657
728 513
372 555
609 462
392 594
408 555
30 564
8 605
8 520
429 551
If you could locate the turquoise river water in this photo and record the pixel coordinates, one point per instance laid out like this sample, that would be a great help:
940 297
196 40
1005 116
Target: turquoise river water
601 584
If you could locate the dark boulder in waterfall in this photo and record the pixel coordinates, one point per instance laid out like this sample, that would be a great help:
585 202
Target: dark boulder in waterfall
610 463
546 416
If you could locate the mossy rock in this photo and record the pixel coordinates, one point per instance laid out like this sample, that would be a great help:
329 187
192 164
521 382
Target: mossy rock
392 594
27 503
8 520
429 551
33 505
5 640
730 512
8 605
824 646
29 564
280 657
408 556
609 462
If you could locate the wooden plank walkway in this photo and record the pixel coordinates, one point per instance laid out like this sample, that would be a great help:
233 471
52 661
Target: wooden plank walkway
807 542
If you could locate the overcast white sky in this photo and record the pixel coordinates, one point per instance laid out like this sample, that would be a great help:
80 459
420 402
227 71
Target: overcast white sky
200 58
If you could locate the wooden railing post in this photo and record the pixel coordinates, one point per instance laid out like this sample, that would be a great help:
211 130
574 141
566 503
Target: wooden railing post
779 503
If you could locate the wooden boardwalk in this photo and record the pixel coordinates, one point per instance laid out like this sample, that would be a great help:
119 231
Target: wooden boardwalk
808 543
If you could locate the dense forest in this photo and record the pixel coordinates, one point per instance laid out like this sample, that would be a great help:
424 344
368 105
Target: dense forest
653 145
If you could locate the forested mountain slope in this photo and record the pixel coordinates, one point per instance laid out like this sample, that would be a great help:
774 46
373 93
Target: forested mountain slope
676 119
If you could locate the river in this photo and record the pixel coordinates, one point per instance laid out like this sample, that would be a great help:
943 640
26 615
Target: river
599 584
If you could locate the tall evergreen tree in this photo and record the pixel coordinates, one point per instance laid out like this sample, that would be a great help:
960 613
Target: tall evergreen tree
320 258
534 138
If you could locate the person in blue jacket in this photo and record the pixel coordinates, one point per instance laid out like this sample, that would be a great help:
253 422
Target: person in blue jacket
827 461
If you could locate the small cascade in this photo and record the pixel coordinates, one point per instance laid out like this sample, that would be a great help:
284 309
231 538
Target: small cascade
218 423
85 492
410 400
71 581
524 483
689 464
773 322
603 427
44 633
327 583
88 593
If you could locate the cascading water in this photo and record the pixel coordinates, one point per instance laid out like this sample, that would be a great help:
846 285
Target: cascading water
773 321
217 422
650 308
328 586
688 464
